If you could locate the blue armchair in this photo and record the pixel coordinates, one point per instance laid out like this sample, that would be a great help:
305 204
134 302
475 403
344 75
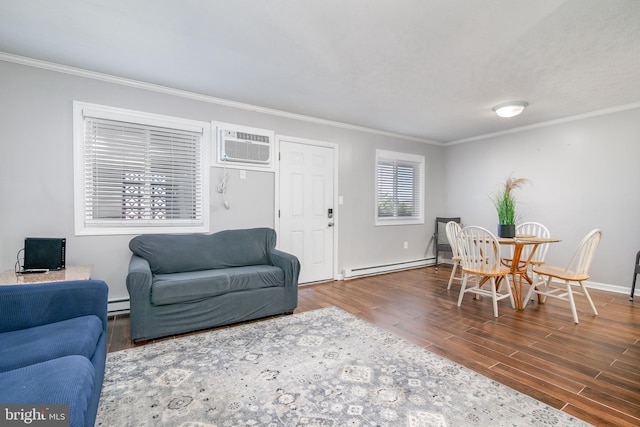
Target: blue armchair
53 345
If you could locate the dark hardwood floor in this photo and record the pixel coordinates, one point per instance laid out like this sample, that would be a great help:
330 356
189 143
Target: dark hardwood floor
590 370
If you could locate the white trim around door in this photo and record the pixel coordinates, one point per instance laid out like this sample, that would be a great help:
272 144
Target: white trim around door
281 186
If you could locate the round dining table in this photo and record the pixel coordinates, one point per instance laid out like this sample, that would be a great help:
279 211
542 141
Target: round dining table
519 267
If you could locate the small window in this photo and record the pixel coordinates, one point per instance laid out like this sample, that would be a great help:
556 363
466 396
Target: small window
138 173
399 188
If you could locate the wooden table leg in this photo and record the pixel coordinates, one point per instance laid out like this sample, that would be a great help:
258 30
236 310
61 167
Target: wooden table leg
515 271
517 290
521 272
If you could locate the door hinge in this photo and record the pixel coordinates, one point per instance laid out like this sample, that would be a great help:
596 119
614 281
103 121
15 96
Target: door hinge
278 213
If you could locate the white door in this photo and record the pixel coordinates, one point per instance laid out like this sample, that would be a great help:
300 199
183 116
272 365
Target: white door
306 208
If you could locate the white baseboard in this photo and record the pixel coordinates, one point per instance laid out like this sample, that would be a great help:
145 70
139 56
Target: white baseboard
353 272
601 286
118 306
122 306
607 287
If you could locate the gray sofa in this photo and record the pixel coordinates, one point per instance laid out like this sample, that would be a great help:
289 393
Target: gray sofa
185 282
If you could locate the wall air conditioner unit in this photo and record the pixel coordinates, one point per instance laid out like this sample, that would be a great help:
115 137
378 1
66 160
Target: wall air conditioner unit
245 147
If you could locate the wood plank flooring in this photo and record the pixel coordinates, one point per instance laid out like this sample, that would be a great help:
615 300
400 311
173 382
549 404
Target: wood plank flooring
590 370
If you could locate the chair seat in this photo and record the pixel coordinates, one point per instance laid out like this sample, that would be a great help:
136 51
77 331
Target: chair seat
574 274
560 273
494 271
508 260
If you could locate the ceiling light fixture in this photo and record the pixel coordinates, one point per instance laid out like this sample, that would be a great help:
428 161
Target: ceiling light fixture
510 109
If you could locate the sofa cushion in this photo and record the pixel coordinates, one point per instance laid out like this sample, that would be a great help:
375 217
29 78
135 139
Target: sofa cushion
197 285
76 336
66 380
190 286
174 253
255 277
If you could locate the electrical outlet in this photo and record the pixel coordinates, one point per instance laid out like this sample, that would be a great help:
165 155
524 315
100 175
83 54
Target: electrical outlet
406 245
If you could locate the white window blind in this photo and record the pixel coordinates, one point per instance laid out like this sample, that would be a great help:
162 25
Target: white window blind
399 188
141 175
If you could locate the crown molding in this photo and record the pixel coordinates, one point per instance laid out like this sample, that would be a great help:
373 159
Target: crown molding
549 123
51 66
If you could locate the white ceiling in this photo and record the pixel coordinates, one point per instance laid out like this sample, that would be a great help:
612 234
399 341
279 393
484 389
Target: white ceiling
430 69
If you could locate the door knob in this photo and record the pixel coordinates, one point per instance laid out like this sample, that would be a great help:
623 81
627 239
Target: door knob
330 224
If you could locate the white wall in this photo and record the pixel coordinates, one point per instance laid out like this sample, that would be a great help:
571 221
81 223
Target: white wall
584 174
36 173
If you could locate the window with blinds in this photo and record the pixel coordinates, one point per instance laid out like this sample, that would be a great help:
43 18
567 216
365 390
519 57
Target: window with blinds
399 188
138 172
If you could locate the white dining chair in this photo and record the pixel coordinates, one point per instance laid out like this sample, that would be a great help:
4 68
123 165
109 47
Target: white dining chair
538 230
575 273
453 229
481 258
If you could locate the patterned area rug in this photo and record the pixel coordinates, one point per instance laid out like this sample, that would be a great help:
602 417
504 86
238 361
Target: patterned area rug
318 368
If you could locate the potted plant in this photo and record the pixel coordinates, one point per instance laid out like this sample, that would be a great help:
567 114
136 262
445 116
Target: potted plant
505 204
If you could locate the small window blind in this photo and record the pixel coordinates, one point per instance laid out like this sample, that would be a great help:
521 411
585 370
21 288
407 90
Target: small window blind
137 174
399 188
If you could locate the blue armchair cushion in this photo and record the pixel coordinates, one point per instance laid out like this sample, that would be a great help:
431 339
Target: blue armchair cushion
195 285
66 323
75 336
174 253
72 384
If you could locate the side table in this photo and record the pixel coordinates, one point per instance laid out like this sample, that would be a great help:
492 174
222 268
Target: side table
72 272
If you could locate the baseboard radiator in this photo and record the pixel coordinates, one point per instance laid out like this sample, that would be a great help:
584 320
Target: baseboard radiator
354 272
118 306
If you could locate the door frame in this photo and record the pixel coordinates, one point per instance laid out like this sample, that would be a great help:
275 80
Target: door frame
336 206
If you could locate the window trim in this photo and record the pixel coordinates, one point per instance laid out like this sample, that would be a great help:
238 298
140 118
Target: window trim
86 228
419 160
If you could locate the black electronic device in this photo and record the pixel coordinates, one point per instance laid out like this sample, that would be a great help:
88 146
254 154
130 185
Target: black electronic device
44 253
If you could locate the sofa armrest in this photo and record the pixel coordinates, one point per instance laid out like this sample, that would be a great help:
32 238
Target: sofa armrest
289 264
26 306
139 278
